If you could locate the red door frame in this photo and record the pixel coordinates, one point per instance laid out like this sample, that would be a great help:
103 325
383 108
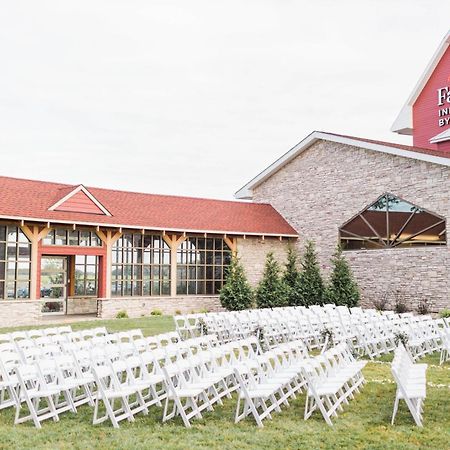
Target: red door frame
53 250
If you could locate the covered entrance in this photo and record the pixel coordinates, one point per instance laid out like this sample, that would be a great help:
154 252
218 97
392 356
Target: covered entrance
69 284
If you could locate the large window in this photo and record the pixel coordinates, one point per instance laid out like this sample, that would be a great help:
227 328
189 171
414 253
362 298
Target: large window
63 236
392 222
140 266
86 275
15 258
201 265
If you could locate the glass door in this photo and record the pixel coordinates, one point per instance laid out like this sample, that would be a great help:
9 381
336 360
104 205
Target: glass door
54 284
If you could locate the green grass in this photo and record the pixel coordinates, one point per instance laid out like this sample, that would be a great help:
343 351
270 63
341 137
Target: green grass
148 325
365 423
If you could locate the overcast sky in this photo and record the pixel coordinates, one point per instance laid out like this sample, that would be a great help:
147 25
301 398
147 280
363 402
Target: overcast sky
196 97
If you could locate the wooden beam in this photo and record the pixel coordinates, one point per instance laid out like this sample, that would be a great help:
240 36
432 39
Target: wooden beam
34 235
232 243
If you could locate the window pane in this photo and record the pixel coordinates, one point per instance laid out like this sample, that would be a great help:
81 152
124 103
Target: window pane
61 237
2 289
22 237
2 233
73 238
11 251
24 252
23 271
79 259
12 234
10 290
165 288
2 251
91 260
22 289
84 238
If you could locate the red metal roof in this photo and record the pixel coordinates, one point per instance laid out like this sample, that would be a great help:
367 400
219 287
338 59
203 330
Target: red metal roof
410 148
29 199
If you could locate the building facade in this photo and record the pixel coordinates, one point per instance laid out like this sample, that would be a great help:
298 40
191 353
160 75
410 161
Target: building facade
79 250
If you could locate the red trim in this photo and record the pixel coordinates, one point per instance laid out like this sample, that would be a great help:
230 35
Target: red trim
53 250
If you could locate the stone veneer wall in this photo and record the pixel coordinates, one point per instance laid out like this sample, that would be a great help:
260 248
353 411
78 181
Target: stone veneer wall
329 183
252 253
14 313
108 308
78 305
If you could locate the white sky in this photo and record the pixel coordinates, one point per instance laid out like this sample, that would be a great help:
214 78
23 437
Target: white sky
196 97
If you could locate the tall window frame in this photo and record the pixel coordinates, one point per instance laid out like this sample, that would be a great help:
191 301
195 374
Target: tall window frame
141 266
201 265
392 222
15 263
85 275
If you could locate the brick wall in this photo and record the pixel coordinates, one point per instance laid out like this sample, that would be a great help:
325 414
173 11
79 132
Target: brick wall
329 183
252 253
143 306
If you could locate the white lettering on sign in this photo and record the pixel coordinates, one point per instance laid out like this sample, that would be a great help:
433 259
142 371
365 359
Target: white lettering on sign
443 95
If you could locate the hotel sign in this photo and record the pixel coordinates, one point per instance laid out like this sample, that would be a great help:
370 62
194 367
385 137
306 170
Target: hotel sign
444 100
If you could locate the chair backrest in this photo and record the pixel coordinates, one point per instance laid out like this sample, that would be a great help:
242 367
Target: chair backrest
5 337
33 334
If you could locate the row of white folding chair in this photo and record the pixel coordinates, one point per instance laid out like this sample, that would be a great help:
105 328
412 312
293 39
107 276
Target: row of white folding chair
268 383
35 333
342 320
188 325
136 381
48 377
187 376
411 384
333 378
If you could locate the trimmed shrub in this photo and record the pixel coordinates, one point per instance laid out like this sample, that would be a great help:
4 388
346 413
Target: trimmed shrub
178 312
311 286
445 313
122 315
271 290
423 308
236 294
400 306
156 312
291 277
342 288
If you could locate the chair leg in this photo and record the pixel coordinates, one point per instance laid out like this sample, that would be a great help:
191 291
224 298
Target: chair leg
394 413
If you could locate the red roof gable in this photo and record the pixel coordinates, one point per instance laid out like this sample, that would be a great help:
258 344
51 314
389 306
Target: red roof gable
29 199
79 200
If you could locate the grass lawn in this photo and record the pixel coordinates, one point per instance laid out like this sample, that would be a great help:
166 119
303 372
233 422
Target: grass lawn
365 423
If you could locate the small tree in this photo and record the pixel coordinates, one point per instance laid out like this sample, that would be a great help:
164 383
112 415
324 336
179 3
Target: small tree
311 287
342 288
236 294
271 290
291 277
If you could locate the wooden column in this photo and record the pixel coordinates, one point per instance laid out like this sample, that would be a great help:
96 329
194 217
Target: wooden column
173 242
108 238
34 234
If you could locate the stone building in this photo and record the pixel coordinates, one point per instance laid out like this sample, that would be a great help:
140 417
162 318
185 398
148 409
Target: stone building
387 204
